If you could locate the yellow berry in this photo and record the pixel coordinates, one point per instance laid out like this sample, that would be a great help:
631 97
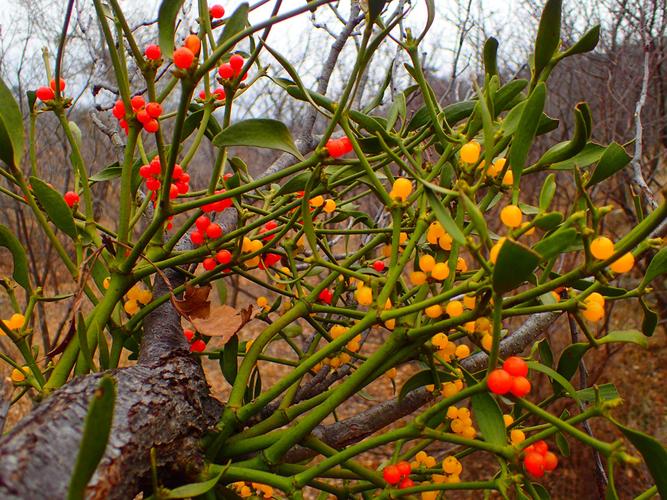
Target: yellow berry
438 478
469 432
434 311
508 178
145 296
440 340
454 478
469 301
131 307
449 389
417 278
511 216
246 245
508 419
329 206
106 282
440 271
386 251
593 312
364 296
426 263
429 495
469 326
16 321
353 346
19 375
454 308
402 237
334 362
401 189
462 351
255 246
461 265
624 263
254 262
391 373
595 297
517 436
430 461
495 249
390 324
487 342
336 331
496 167
451 465
434 233
470 152
344 358
602 248
316 201
445 242
262 302
483 324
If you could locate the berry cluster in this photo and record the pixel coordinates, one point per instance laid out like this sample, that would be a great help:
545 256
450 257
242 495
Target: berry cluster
46 94
15 322
146 113
363 294
218 94
71 198
423 459
247 489
448 350
205 230
152 173
196 345
338 147
517 436
602 248
481 326
135 296
398 475
436 235
448 389
538 459
510 378
184 56
232 69
461 422
594 310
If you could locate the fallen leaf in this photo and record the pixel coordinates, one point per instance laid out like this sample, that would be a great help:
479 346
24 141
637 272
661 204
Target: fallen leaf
223 322
195 303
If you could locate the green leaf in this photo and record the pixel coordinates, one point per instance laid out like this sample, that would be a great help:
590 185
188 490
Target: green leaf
613 159
604 392
476 217
507 94
525 133
569 360
236 23
548 36
96 430
590 154
195 489
296 183
514 265
20 273
585 44
548 221
582 133
654 455
258 132
491 56
229 359
562 444
553 374
489 418
422 378
657 267
454 113
193 122
54 205
375 9
556 243
11 128
108 173
650 321
625 336
546 356
166 21
547 192
444 217
397 110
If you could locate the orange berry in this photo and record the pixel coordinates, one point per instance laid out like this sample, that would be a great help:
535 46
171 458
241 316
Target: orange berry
426 263
417 278
434 311
183 57
624 263
496 167
517 436
454 308
440 271
508 178
515 366
594 312
602 248
595 297
499 381
470 152
520 387
511 216
401 189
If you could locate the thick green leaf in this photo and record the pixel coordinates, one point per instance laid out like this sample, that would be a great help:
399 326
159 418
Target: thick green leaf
546 356
548 221
193 122
582 132
556 243
11 243
11 128
397 109
547 192
108 173
422 378
506 95
195 489
654 455
585 44
489 418
375 9
613 159
296 183
548 36
491 56
229 359
444 217
54 205
625 336
590 154
554 375
604 392
166 21
96 430
258 132
542 492
650 321
525 133
569 360
514 265
657 267
236 23
454 113
563 446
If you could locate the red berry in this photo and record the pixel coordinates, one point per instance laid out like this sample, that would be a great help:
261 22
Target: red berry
226 71
178 172
219 94
202 223
196 237
137 102
499 381
151 126
347 144
404 468
118 110
143 117
145 171
236 62
156 168
124 126
197 346
193 43
406 483
153 52
335 148
391 474
326 296
515 366
183 58
224 257
378 265
271 259
216 11
173 191
152 184
520 386
550 461
202 95
182 187
270 225
214 231
154 109
185 178
71 198
209 264
189 334
534 464
52 84
541 447
45 94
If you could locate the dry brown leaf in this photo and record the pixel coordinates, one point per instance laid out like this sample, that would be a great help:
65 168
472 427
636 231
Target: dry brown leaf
223 322
195 303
